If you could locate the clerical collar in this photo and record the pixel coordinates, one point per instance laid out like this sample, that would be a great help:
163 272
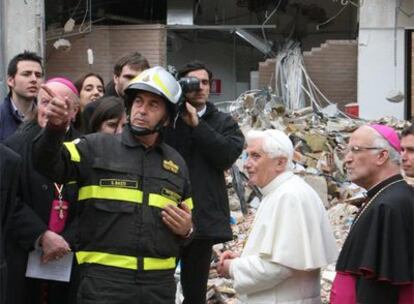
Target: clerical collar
202 112
371 192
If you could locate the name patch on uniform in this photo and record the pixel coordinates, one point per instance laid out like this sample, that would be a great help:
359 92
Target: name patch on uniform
171 194
169 165
118 183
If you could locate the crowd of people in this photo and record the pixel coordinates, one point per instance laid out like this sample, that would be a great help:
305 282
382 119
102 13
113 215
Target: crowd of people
120 183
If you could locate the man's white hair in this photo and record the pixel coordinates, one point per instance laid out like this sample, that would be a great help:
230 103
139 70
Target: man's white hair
275 144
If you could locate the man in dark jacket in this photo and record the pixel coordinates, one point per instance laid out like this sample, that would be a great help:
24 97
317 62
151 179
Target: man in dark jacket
32 221
24 76
9 174
210 142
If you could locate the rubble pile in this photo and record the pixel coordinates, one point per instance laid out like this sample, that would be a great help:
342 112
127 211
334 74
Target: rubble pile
319 137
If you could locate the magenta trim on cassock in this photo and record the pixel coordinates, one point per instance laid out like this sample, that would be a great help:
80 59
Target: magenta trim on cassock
65 82
406 295
343 289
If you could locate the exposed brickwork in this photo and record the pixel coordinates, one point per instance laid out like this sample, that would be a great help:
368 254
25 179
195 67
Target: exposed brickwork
108 44
267 73
333 68
412 77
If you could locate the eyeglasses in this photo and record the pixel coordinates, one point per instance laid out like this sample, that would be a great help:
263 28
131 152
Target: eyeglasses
357 149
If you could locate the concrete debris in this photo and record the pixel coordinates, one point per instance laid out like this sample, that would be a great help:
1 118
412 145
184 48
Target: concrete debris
331 110
315 140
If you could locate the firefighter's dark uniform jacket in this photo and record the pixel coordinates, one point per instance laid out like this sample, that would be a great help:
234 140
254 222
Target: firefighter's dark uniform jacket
123 187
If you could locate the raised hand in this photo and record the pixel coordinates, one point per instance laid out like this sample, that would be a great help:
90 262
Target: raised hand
57 108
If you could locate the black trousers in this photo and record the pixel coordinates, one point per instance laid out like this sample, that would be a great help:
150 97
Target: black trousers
3 281
110 285
195 267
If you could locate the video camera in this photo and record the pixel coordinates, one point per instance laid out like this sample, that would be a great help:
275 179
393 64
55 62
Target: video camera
189 84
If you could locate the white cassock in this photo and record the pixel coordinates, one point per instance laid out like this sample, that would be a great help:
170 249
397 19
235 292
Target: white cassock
290 241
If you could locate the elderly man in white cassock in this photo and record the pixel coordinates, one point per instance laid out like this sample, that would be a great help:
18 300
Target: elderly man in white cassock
291 238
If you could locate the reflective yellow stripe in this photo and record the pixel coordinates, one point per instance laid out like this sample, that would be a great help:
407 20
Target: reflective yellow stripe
159 264
73 151
124 261
158 81
189 203
114 260
110 193
159 201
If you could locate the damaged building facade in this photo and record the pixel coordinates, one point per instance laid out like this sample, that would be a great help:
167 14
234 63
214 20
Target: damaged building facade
354 51
275 63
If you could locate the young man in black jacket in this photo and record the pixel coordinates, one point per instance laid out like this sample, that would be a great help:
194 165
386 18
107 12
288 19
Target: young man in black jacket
24 77
210 142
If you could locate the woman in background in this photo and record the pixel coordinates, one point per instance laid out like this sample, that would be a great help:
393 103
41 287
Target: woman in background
108 117
90 87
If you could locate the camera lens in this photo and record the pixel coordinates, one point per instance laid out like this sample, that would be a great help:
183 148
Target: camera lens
189 84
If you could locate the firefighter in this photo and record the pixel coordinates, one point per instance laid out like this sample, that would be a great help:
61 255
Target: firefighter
134 195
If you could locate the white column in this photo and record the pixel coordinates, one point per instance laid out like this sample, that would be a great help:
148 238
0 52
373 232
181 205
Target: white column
23 27
380 60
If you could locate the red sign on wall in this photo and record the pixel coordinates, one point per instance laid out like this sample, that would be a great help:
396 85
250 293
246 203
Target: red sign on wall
215 86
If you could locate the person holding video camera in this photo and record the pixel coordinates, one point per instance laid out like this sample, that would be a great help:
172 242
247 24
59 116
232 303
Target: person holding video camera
210 142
